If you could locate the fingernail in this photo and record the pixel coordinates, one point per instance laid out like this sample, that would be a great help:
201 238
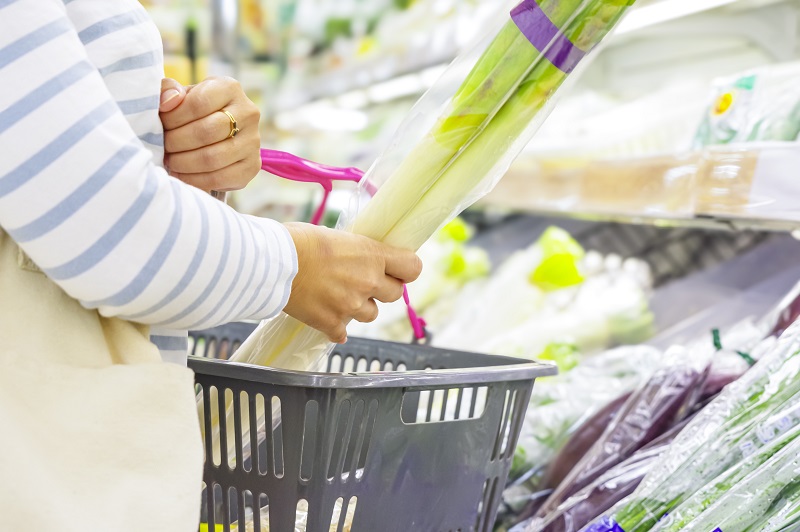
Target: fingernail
168 94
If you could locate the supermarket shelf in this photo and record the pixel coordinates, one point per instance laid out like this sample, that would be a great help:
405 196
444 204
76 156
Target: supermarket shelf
370 77
735 187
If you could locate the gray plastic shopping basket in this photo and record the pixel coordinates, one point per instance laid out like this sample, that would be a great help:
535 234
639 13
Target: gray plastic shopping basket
425 445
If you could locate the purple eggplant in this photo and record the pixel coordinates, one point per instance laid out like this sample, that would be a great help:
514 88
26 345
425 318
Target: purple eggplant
581 441
666 398
610 488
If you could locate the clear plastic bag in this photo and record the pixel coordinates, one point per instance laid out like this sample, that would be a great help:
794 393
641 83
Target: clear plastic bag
561 404
740 497
756 105
747 415
650 411
607 490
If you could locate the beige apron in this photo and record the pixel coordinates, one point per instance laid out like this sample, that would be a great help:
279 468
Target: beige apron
96 433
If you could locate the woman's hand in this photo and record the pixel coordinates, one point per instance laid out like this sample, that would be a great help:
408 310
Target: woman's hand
340 275
197 143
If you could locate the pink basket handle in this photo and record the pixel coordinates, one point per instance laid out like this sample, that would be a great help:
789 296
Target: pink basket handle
295 168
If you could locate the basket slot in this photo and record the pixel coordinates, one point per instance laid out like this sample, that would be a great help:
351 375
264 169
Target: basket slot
459 402
341 515
223 425
348 364
355 440
228 427
485 519
261 513
431 396
341 437
302 507
252 411
518 417
230 509
362 365
310 433
365 439
243 432
211 404
277 437
269 436
481 505
334 524
441 405
261 435
501 441
197 345
388 365
219 508
374 365
225 349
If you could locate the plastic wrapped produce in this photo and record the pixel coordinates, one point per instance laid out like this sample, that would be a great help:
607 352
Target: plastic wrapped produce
755 105
743 495
510 297
650 411
746 416
561 404
581 441
610 488
552 296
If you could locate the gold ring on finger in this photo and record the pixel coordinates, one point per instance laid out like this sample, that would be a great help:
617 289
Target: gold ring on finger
234 128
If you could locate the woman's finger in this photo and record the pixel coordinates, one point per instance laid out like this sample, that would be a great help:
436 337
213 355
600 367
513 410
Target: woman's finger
205 98
233 177
367 313
172 94
389 290
402 264
214 128
214 157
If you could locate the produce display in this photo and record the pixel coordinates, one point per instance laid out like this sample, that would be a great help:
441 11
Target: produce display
551 301
600 463
731 468
608 489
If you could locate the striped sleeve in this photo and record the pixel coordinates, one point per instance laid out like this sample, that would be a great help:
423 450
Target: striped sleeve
80 195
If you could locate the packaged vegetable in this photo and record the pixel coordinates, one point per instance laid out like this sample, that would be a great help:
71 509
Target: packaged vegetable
650 411
607 490
559 405
753 106
740 497
747 415
582 441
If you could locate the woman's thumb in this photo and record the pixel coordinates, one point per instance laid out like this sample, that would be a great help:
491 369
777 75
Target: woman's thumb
172 94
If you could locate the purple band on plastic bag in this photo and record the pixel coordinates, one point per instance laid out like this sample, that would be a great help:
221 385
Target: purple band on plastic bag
545 36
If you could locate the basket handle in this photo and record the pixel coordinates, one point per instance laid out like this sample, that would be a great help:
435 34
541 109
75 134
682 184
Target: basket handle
288 166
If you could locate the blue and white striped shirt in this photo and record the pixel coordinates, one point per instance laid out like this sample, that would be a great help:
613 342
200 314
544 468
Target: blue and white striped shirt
82 186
